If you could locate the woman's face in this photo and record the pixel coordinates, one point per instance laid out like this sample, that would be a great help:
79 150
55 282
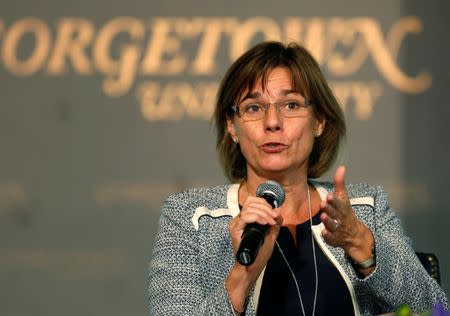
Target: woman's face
274 144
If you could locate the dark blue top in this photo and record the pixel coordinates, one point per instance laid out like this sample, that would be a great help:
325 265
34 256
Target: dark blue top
278 292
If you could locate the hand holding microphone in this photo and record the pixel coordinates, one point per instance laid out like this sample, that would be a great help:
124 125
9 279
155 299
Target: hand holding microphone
254 233
254 230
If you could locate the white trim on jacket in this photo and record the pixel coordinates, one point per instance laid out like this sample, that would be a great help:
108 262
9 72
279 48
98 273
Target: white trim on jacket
233 211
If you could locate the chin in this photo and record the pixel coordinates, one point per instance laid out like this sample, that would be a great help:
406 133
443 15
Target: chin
280 167
276 169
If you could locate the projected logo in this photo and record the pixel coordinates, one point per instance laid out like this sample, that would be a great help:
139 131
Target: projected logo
174 65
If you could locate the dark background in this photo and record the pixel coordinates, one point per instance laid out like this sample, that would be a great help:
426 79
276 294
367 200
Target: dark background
83 175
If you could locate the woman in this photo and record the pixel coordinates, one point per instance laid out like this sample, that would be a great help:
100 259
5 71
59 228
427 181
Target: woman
330 248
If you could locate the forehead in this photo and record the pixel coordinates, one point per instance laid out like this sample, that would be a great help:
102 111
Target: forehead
279 78
272 84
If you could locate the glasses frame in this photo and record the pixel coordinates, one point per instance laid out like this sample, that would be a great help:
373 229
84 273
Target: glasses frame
308 103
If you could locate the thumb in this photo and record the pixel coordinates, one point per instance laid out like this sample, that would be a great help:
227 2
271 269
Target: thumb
339 181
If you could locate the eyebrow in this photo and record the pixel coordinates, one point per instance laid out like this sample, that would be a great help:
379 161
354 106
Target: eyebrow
257 94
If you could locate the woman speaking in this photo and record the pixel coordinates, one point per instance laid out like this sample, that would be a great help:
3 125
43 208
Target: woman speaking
324 248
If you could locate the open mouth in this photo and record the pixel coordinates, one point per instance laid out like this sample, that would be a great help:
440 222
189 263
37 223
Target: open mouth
273 147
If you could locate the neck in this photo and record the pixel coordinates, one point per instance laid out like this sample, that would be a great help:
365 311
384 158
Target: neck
296 188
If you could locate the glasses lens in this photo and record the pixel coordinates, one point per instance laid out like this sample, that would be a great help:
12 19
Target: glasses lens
294 108
252 111
288 108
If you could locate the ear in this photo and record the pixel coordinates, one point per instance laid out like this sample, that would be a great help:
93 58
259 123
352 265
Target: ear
320 126
231 129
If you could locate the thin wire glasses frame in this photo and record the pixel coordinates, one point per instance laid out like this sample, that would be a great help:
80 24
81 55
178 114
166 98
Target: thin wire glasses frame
289 108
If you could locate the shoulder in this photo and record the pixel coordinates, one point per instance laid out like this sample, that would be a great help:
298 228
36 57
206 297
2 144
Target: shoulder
202 195
185 202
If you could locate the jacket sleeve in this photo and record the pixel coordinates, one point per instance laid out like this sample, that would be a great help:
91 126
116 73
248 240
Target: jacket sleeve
399 277
175 286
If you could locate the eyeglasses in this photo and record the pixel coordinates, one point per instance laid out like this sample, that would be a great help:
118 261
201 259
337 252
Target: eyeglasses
252 110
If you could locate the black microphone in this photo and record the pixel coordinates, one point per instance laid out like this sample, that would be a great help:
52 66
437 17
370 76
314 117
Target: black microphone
253 236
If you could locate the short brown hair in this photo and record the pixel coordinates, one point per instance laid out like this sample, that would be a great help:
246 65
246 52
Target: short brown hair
307 78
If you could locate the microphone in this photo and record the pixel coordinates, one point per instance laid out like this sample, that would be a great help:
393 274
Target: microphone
254 233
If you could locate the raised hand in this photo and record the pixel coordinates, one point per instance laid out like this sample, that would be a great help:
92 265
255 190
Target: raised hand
342 227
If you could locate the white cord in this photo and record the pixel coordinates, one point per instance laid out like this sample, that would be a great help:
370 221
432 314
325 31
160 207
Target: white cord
315 265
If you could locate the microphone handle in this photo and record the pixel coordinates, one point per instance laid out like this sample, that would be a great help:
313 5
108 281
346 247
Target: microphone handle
253 236
251 242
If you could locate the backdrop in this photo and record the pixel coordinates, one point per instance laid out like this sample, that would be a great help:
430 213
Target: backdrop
105 108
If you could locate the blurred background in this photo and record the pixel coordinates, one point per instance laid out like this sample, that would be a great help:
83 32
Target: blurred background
105 109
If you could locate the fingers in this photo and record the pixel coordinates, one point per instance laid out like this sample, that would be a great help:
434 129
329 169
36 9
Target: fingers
333 212
257 210
339 181
339 198
334 204
337 214
255 215
330 238
326 207
331 224
332 230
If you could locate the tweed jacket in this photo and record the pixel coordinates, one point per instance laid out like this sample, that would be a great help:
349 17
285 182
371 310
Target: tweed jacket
193 254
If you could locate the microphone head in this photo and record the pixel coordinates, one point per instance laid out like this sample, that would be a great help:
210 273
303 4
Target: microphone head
274 189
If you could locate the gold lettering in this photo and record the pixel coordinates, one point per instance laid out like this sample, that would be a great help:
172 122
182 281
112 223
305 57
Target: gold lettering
205 61
177 99
39 53
398 31
363 94
245 32
346 33
384 59
74 35
343 45
293 29
365 97
153 106
121 72
198 100
315 39
311 35
161 44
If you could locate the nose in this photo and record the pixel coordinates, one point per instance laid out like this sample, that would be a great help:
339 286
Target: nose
273 120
